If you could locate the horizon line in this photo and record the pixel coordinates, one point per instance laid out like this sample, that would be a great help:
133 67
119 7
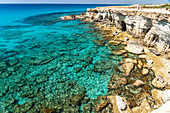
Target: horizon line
57 3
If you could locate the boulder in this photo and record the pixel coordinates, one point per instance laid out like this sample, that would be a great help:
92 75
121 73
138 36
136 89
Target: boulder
158 82
142 56
120 103
145 71
77 69
137 110
102 65
118 52
76 99
145 106
129 60
128 67
154 51
134 47
157 95
101 105
99 42
138 83
114 42
116 82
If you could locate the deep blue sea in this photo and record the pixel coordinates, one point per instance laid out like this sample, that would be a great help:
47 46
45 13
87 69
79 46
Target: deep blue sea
45 60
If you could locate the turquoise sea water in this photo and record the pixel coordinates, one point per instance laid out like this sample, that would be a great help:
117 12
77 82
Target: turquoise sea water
43 57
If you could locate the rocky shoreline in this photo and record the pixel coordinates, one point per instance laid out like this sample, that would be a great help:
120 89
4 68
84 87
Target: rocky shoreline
141 81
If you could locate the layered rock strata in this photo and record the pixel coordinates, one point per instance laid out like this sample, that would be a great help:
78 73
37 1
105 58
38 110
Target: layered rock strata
151 27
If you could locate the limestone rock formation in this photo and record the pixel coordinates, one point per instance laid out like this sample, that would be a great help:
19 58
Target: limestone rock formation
128 68
134 47
152 28
163 109
159 82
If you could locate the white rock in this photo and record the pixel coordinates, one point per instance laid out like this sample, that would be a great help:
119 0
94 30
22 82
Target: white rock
115 33
134 47
149 62
126 38
166 96
120 103
165 108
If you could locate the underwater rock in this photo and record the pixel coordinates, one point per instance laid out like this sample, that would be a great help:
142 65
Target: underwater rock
12 62
102 105
118 52
43 110
158 82
76 99
120 68
128 67
136 91
134 47
88 108
116 82
3 90
89 60
2 64
23 108
99 42
8 102
41 79
138 83
5 74
77 69
114 42
39 60
102 65
117 58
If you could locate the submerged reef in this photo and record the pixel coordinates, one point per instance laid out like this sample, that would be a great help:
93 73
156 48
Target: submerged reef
139 40
104 60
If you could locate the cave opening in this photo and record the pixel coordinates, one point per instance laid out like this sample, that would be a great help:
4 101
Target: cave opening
123 24
101 17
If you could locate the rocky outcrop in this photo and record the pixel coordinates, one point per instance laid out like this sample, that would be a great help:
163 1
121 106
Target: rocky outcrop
134 47
151 27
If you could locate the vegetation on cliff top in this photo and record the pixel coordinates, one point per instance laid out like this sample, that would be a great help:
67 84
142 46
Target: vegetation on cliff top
158 6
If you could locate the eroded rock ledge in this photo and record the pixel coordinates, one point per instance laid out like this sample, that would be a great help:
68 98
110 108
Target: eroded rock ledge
150 26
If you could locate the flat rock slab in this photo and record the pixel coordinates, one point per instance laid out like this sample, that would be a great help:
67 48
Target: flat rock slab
154 52
134 47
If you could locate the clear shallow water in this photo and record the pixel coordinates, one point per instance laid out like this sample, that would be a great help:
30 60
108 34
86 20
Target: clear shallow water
44 58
